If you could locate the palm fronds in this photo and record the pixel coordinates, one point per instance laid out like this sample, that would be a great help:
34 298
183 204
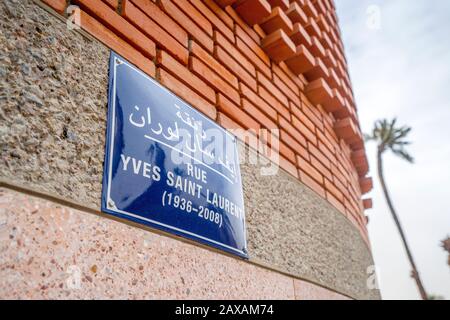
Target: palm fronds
390 137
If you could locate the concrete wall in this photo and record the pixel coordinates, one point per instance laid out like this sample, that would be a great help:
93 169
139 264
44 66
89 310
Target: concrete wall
52 132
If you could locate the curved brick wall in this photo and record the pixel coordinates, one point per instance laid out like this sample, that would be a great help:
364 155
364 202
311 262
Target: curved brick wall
287 72
212 58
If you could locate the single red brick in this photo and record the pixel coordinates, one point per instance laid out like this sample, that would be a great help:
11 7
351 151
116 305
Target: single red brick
338 176
203 55
353 209
326 41
272 143
362 169
344 112
346 130
309 9
288 166
219 23
118 25
313 29
331 136
330 60
322 23
296 14
252 110
341 168
294 132
318 91
287 153
353 218
112 41
320 6
114 4
320 156
210 76
235 68
342 186
237 114
316 48
299 36
359 160
321 168
314 115
57 5
294 78
154 31
224 3
368 204
297 147
276 20
272 89
258 101
335 202
317 72
354 191
235 53
188 24
312 184
330 187
184 75
163 20
366 184
283 4
228 123
334 104
245 27
345 79
278 46
329 153
358 156
187 94
252 11
287 77
302 62
292 96
257 61
300 119
333 79
340 69
220 13
333 34
195 15
310 170
255 46
274 103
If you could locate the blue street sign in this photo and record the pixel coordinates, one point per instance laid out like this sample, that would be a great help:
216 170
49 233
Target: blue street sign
168 166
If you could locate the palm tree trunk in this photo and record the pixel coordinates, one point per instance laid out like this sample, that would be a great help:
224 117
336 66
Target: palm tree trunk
415 273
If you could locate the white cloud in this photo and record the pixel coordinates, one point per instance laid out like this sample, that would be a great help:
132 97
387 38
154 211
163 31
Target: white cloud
403 70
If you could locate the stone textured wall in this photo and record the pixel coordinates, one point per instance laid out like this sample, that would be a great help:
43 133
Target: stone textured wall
53 94
49 251
248 73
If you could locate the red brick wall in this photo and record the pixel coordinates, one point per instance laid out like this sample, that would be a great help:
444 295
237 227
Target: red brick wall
252 64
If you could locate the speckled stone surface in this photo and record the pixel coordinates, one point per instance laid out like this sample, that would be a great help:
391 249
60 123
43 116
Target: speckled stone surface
292 228
53 97
54 252
53 93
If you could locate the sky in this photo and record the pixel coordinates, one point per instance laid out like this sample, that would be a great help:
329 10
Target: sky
398 53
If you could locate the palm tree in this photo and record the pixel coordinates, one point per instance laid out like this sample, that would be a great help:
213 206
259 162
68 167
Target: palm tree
446 246
389 137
